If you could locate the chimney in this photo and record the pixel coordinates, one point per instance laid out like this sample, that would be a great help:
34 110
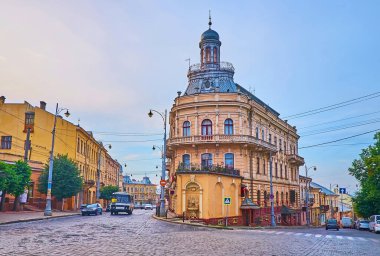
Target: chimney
43 105
2 99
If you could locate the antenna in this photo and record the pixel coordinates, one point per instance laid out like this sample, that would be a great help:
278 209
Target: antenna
209 19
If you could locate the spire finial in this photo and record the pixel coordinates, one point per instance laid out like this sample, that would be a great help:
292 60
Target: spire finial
209 19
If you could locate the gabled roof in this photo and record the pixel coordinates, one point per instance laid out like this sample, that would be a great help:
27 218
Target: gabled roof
323 189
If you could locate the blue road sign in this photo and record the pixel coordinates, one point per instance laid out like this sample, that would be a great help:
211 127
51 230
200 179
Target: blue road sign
227 200
342 190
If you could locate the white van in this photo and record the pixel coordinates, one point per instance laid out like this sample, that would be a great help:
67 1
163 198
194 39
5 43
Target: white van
374 223
347 222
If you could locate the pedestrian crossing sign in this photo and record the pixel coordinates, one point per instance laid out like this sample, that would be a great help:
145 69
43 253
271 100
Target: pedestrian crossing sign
227 200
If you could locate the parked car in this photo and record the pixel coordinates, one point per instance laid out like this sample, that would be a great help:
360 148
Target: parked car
362 224
92 209
374 223
332 224
108 208
148 207
83 206
346 222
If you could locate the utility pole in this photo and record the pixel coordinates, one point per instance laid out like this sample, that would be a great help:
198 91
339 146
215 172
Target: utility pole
272 219
27 145
307 195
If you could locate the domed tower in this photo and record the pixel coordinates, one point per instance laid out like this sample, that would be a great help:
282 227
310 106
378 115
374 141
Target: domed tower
210 75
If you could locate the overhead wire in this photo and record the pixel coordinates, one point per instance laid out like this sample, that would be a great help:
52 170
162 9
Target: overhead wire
329 142
334 106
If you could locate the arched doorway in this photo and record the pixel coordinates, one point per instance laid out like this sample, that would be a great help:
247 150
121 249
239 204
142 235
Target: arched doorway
192 200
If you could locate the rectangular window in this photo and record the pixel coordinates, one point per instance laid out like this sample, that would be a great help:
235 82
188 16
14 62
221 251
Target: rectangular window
264 166
280 142
6 142
285 147
276 170
275 141
206 160
281 170
286 172
258 165
270 138
29 121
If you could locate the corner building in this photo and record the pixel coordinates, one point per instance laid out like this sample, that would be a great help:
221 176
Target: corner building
221 140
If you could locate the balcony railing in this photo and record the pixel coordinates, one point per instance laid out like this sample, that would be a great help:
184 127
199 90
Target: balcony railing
213 169
226 66
222 139
295 159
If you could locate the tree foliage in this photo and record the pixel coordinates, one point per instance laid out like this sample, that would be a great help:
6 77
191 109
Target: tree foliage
66 180
366 170
23 173
107 191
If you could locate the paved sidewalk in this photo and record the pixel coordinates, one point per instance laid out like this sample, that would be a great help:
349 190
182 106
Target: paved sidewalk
24 216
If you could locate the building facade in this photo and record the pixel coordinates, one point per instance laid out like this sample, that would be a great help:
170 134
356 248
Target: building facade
222 141
143 192
80 145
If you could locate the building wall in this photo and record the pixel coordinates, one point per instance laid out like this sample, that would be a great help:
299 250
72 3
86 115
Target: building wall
251 152
70 139
142 193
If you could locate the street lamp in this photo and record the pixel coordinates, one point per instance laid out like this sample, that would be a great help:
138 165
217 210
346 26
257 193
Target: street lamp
98 171
48 211
307 194
331 204
162 197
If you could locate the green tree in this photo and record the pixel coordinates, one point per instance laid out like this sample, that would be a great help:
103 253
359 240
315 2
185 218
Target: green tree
23 173
8 180
366 170
107 191
66 180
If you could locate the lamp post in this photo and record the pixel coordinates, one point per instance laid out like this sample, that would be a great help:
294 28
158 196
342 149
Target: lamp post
272 219
98 171
331 204
48 211
307 194
162 197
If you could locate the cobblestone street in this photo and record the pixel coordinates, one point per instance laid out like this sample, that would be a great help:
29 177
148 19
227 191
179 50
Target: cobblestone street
139 234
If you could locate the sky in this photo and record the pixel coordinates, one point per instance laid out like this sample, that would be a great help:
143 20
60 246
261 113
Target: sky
109 62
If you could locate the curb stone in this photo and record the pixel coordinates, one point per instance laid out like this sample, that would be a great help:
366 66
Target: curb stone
37 219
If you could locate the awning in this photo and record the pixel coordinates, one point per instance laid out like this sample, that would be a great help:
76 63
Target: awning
247 204
287 211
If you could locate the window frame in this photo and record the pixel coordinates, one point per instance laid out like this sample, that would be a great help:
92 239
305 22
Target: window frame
186 129
228 126
229 166
207 128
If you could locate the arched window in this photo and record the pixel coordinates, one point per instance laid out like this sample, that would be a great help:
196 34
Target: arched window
257 132
215 55
277 198
186 128
258 197
282 198
265 198
206 160
228 127
186 161
262 134
208 55
206 127
229 160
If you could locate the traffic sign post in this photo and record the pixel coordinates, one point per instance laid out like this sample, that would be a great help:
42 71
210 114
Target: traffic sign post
227 202
163 183
342 190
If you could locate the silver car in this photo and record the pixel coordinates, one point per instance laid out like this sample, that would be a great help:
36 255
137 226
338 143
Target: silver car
362 224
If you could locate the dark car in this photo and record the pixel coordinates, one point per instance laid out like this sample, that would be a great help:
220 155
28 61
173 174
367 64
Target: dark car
108 209
92 209
332 224
83 206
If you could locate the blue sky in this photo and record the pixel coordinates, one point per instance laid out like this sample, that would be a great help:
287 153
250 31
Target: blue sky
110 61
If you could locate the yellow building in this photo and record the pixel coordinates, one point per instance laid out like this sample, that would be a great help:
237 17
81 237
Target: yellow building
73 140
143 192
222 138
304 185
